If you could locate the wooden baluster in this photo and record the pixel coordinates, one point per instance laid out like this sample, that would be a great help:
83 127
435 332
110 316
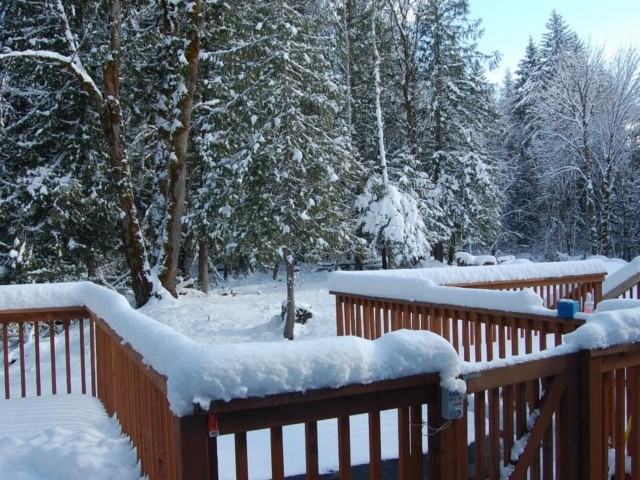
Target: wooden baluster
311 441
83 368
368 321
416 438
508 413
52 356
242 462
5 353
212 454
455 328
494 433
404 444
375 445
339 315
344 448
502 337
480 420
347 316
633 400
92 354
38 366
488 329
277 452
466 341
358 319
23 371
67 354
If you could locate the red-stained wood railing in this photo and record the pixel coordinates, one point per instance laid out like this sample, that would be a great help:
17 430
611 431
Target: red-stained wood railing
534 405
566 411
500 332
630 288
550 289
412 398
53 371
168 447
610 415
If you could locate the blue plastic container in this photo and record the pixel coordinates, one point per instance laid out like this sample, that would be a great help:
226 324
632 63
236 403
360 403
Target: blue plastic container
568 308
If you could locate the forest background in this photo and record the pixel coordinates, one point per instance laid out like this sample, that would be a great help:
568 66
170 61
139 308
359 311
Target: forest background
137 137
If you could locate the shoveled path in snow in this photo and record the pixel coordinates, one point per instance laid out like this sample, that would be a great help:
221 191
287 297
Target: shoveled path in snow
63 437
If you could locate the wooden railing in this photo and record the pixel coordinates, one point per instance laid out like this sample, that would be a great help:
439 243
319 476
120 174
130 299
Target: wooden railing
499 331
565 411
628 289
51 352
550 289
561 409
168 447
408 396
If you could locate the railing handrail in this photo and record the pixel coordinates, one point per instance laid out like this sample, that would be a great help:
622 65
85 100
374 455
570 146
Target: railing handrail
17 315
568 324
523 283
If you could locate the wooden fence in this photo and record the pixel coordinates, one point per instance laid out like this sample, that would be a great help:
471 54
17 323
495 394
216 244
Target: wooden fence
556 417
546 405
550 289
628 289
499 332
113 372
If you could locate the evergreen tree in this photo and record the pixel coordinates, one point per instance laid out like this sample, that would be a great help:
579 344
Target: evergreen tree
283 174
58 201
458 109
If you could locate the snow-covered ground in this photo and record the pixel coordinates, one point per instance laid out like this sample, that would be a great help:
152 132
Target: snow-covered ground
45 438
243 315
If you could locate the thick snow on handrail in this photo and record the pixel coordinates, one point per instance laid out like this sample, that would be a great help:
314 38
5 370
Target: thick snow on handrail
198 373
484 274
621 276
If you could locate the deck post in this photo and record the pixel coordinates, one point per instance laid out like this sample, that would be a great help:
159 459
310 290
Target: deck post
593 445
447 447
192 447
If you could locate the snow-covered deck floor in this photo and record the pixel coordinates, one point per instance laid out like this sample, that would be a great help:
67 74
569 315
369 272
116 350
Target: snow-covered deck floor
63 437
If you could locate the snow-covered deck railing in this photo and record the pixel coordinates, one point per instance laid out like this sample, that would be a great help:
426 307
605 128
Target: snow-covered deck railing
22 330
624 283
558 413
551 280
161 384
480 324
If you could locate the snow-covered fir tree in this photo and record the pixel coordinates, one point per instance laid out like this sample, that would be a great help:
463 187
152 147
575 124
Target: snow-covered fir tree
458 109
283 176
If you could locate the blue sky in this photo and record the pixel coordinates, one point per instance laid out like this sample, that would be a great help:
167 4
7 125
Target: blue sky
509 23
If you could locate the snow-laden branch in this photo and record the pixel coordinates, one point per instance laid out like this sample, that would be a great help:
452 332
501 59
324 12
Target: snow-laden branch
77 69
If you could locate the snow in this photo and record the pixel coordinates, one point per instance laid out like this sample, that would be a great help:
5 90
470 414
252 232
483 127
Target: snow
55 57
620 275
45 438
203 373
414 285
237 340
492 273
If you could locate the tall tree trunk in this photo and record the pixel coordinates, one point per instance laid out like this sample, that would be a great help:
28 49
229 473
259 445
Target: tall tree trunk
378 89
401 17
112 127
290 318
605 229
589 190
438 251
177 142
203 266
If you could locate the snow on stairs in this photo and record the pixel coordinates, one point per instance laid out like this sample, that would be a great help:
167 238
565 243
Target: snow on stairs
63 436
